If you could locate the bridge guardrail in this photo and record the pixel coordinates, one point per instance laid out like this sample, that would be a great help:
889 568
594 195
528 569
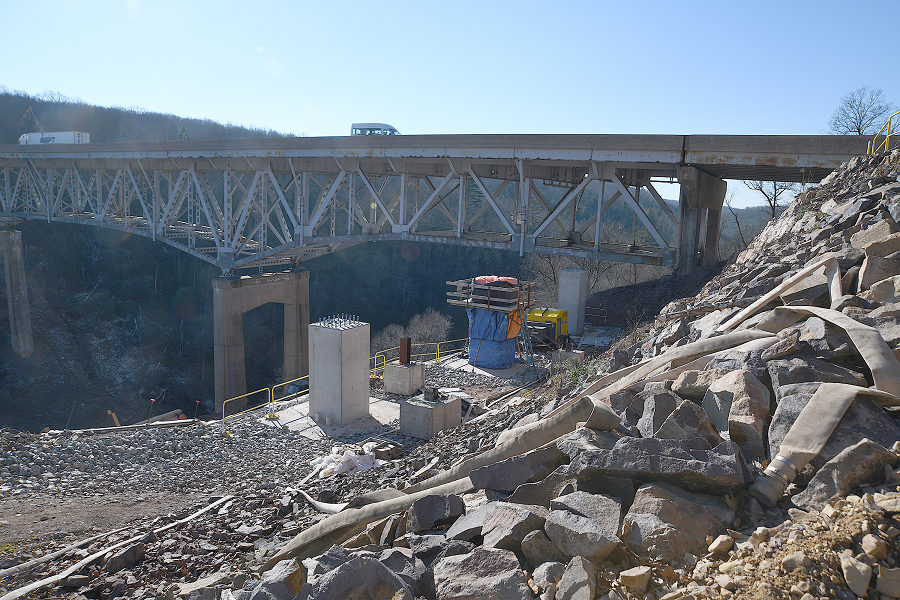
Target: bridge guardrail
227 416
872 148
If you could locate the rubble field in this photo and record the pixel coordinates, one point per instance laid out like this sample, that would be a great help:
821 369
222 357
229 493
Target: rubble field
747 445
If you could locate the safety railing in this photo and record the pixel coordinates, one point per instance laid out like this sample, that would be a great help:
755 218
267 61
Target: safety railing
594 315
225 414
437 358
290 396
872 147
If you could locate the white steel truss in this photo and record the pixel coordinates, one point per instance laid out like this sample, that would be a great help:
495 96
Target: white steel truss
261 203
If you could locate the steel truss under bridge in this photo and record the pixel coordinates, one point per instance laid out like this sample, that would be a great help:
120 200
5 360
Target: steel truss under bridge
263 203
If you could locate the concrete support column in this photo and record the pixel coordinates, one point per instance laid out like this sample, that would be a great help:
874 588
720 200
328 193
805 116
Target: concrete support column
17 293
296 329
231 299
572 296
701 195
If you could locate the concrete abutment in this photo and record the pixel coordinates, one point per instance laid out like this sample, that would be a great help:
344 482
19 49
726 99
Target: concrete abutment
231 299
700 203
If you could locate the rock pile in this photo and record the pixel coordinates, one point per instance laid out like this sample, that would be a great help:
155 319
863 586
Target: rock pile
657 506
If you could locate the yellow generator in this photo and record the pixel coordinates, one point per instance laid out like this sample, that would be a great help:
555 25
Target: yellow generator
548 326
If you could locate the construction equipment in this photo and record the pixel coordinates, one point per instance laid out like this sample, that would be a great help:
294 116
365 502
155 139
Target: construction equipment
549 327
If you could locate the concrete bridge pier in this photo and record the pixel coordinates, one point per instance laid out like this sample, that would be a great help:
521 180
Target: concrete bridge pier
702 197
17 293
231 299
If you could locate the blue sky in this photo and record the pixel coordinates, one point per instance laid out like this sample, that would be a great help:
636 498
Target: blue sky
460 67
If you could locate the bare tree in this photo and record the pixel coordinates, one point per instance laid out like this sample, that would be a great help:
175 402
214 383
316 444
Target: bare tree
729 198
774 192
860 112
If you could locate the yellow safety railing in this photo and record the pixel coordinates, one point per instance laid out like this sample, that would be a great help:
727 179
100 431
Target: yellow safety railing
437 358
272 415
224 412
872 148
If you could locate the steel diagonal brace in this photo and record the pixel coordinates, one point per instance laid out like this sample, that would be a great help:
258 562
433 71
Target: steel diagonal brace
662 204
173 194
140 196
90 199
431 199
637 210
281 197
320 209
490 199
546 204
245 211
375 195
441 202
38 182
19 178
561 206
62 188
209 218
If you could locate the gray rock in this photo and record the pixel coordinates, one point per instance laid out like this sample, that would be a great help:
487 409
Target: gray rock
800 370
579 581
284 580
362 578
586 439
574 535
468 527
693 384
433 511
508 474
687 463
666 521
425 546
615 487
537 548
547 575
328 561
689 421
747 361
540 493
508 524
488 573
658 405
863 419
597 507
125 558
857 574
408 567
862 462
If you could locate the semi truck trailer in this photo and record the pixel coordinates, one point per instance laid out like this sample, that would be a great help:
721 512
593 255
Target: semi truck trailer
55 137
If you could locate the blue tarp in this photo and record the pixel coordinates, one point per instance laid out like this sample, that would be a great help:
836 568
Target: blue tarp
488 346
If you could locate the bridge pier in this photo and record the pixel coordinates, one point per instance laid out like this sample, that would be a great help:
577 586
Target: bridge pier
231 299
702 197
17 293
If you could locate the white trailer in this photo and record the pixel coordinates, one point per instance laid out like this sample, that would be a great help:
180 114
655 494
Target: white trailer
55 137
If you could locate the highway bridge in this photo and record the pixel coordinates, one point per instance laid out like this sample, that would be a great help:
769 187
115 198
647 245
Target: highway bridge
279 201
270 204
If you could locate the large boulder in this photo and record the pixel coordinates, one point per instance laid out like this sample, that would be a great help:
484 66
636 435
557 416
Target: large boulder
361 578
537 548
488 573
507 475
578 582
666 521
693 384
433 511
657 406
862 462
508 524
739 403
687 463
689 421
597 507
863 419
799 370
540 493
574 535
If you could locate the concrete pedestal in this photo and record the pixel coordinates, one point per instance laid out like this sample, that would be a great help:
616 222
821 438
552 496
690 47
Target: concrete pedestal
339 370
422 419
17 293
405 380
572 296
231 299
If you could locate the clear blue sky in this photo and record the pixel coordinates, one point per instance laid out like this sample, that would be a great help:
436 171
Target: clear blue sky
461 67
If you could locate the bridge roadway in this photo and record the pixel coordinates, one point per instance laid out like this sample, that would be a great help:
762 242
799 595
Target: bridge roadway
279 201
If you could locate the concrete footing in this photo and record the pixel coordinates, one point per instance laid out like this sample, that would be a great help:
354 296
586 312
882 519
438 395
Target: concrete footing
339 370
405 380
231 299
17 293
422 419
571 296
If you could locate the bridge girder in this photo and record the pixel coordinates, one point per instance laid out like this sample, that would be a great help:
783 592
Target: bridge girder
259 203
